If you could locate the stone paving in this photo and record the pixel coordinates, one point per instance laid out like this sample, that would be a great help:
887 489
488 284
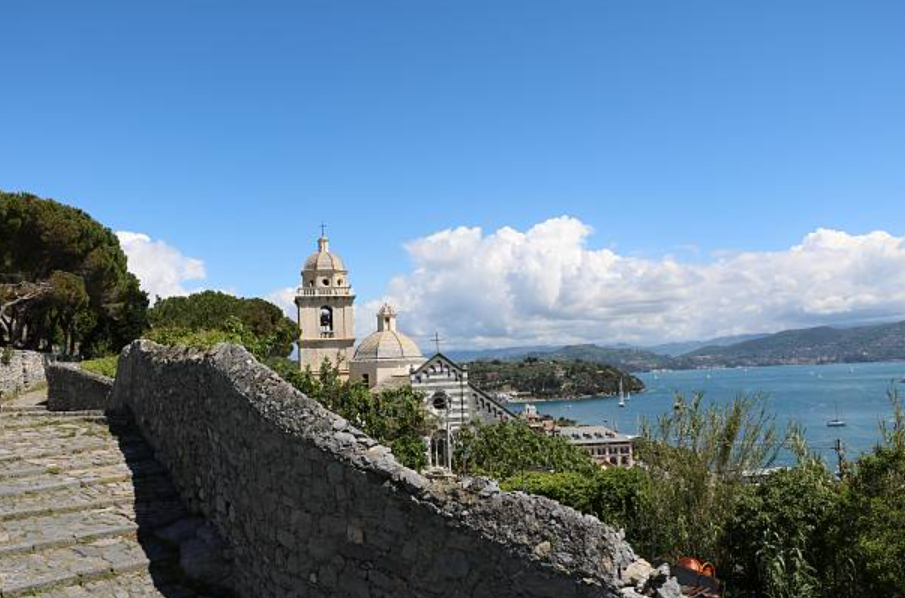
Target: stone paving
85 510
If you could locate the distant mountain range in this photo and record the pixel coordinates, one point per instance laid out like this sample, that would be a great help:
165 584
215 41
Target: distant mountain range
676 349
824 344
882 342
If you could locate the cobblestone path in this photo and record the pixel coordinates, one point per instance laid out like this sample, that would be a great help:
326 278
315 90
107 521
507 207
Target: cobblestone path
85 511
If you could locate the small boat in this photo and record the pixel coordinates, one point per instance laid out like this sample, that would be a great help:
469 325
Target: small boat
621 394
836 422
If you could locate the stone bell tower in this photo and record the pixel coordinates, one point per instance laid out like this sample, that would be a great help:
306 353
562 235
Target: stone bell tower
325 310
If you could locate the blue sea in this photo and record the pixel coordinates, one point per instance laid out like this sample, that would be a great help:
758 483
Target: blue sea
809 395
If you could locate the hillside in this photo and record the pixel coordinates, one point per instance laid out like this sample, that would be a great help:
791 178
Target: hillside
681 348
547 379
627 359
884 342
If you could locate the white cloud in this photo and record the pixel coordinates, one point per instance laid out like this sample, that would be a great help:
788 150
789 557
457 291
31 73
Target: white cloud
285 299
161 269
545 285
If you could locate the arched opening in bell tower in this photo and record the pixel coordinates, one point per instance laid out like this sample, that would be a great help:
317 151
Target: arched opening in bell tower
326 321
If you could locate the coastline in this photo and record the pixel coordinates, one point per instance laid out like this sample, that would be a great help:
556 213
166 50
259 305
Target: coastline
525 400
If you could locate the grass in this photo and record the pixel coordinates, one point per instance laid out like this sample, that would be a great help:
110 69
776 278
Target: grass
102 366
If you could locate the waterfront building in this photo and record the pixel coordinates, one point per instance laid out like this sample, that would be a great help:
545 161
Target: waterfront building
454 403
607 447
386 357
326 314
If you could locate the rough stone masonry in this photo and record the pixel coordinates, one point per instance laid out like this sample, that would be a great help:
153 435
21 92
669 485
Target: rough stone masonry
20 370
311 506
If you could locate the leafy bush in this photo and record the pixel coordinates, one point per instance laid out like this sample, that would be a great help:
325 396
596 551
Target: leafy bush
782 536
102 366
508 449
616 496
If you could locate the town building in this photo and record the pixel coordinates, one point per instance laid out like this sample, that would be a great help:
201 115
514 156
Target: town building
607 447
326 314
454 403
387 356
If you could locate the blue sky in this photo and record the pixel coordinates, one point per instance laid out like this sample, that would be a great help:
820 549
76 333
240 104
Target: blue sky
230 130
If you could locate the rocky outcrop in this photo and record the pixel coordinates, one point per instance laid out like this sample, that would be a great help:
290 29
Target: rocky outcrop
310 506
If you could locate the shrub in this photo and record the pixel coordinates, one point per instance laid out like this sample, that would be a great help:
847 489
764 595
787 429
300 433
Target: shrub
616 496
102 366
872 516
781 537
507 449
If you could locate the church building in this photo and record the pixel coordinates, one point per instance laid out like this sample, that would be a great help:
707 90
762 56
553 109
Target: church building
326 315
454 403
386 356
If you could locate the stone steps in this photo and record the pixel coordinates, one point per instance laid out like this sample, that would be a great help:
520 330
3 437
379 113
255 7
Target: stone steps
36 465
92 559
10 456
127 585
78 477
86 511
69 527
21 421
61 499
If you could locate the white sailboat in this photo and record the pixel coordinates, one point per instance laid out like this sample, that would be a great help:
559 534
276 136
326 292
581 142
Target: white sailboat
621 394
836 422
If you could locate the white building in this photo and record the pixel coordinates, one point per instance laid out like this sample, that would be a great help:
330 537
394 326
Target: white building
607 447
325 311
454 403
386 356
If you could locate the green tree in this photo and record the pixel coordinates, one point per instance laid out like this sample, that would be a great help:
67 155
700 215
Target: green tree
212 310
64 281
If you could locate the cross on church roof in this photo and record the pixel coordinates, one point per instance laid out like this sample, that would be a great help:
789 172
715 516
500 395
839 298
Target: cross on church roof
436 338
323 230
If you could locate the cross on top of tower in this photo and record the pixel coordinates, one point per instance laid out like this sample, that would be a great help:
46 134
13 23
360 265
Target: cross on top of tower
323 230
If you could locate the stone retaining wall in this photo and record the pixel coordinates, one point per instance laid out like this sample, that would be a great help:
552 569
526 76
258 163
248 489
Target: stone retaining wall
69 388
311 506
21 370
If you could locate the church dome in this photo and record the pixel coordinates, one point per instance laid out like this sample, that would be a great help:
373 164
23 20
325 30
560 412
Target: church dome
387 343
324 261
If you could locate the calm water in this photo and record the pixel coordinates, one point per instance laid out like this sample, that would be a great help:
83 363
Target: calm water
808 395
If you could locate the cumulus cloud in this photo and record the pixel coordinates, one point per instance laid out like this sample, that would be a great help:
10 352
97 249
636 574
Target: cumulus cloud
161 269
547 286
284 299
